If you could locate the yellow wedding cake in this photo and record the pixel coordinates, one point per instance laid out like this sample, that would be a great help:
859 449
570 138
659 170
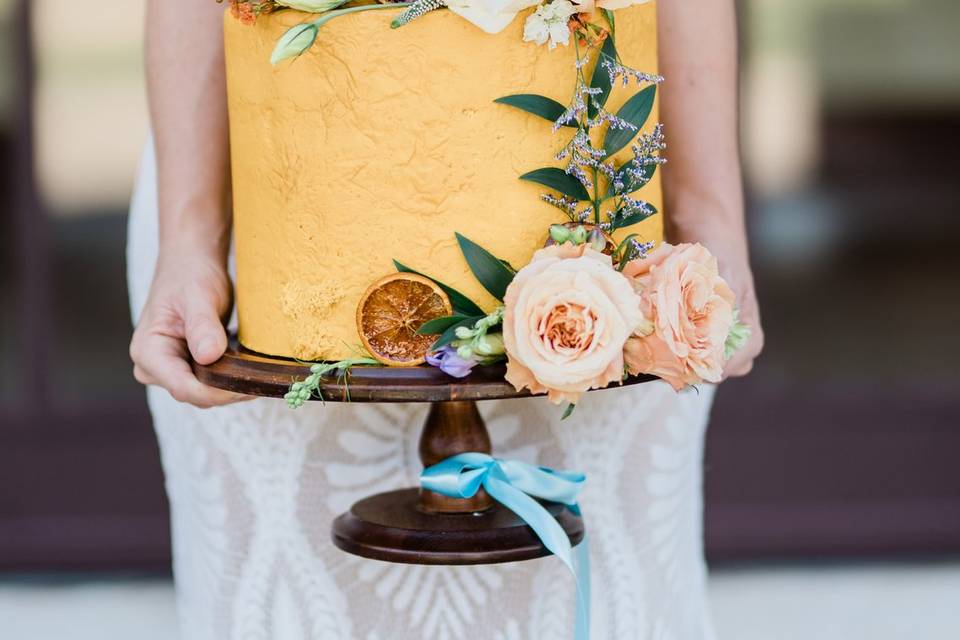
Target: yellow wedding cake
379 144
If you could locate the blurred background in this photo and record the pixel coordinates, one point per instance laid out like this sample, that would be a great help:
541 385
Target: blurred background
833 481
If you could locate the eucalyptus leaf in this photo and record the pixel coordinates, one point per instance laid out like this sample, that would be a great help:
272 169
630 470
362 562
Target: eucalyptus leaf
559 180
636 110
600 78
439 325
492 273
608 15
546 108
462 305
621 250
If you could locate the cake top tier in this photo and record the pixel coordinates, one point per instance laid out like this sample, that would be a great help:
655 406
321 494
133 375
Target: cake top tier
377 145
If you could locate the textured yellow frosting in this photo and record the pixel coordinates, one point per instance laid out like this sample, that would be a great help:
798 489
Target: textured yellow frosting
380 143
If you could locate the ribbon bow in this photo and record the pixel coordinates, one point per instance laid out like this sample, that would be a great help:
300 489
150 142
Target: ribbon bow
515 485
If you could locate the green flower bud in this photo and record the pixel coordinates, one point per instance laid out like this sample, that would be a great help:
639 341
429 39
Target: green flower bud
579 235
465 333
317 368
645 328
294 42
738 336
490 345
311 6
597 240
559 233
465 352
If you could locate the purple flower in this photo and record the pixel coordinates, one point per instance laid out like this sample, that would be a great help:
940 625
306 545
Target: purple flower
447 360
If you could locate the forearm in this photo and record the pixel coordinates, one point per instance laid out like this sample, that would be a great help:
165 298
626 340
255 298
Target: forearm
702 181
188 111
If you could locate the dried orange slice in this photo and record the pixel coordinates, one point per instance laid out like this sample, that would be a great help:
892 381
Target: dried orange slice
390 312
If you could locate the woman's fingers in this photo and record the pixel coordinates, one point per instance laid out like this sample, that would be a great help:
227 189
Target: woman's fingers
205 335
742 361
161 359
739 365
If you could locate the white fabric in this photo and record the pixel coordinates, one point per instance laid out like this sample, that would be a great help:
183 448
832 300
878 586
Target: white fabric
254 487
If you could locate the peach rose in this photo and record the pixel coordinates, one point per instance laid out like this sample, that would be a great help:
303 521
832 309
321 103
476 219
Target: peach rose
692 311
567 316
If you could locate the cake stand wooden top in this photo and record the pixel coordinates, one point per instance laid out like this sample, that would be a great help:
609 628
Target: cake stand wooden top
243 371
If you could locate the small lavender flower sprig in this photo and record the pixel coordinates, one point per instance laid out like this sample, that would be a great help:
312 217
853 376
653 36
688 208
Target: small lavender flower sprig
588 163
449 361
618 71
632 248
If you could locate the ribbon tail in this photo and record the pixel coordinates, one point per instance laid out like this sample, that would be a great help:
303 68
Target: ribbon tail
555 539
581 564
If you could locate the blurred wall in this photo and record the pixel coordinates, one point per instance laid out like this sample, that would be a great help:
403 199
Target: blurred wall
842 441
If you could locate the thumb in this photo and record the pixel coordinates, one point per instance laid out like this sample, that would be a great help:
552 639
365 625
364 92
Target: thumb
206 337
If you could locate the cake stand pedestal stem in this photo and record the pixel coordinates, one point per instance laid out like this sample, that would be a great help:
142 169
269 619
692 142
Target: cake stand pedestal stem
452 428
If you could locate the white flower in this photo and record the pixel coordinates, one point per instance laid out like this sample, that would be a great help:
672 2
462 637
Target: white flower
492 16
549 23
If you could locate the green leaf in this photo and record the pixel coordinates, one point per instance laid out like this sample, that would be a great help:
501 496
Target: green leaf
461 303
633 219
488 269
621 250
450 334
630 183
608 15
546 108
636 110
600 78
439 325
559 180
568 411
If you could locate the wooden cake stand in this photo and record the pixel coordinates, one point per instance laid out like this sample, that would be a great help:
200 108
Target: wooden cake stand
413 525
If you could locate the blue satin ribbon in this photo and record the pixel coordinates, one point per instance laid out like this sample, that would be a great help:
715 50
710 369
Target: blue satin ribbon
512 484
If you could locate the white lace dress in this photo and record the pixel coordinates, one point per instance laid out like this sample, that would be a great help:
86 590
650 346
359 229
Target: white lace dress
254 488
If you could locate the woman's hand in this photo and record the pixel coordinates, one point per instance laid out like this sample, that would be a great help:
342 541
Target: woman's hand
702 182
191 293
740 279
183 317
729 247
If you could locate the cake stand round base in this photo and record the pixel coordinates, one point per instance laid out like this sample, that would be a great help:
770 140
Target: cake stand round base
391 527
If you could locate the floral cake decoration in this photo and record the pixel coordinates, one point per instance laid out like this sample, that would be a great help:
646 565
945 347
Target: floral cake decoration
587 310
